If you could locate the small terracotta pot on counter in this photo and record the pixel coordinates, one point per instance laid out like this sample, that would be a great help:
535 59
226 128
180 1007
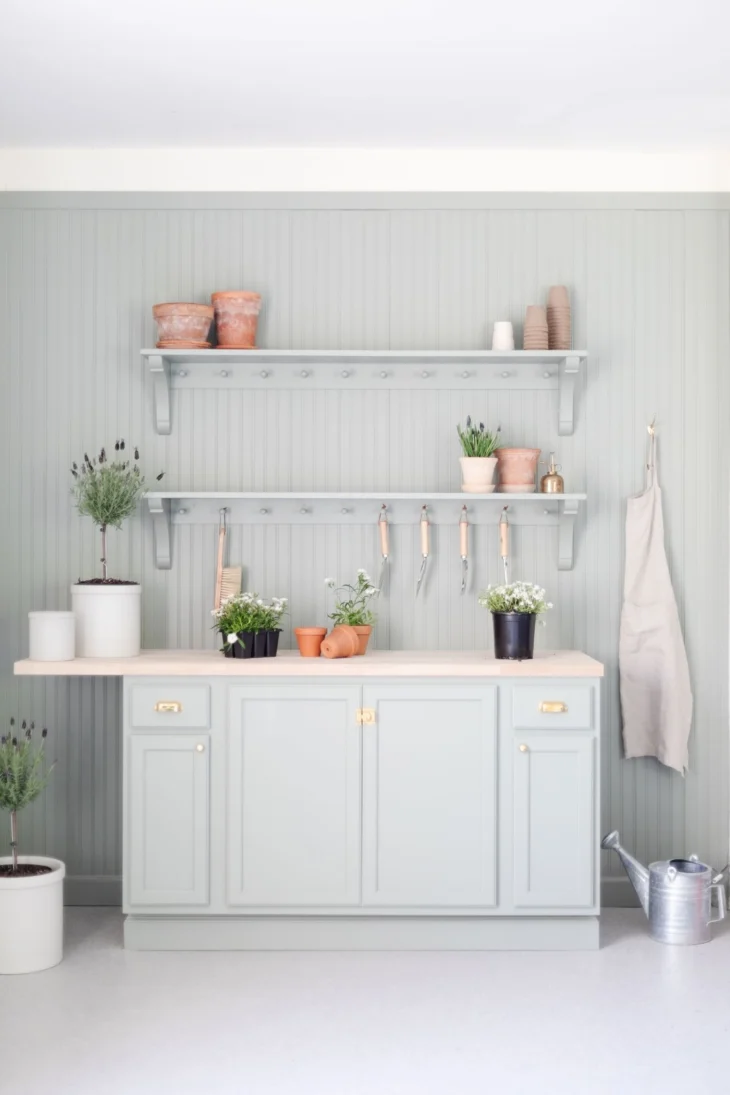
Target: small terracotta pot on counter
183 325
342 642
517 470
236 318
363 631
309 640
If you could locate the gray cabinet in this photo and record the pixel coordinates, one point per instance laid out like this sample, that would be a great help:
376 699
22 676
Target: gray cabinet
429 796
167 808
554 841
293 795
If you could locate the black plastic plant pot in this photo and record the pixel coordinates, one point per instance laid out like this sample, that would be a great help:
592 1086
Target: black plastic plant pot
272 642
243 647
259 644
514 635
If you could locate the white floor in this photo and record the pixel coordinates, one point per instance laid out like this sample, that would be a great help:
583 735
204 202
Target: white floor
632 1017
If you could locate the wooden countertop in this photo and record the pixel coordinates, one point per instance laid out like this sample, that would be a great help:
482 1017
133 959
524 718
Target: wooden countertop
474 664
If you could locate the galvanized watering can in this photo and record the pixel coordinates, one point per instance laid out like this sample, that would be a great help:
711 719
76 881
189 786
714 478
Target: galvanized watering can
675 894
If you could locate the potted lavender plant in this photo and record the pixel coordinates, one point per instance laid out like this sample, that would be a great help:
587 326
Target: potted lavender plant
478 462
107 610
31 887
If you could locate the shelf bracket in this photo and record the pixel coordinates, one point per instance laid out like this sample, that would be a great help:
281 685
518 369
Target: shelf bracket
161 531
569 369
159 367
566 534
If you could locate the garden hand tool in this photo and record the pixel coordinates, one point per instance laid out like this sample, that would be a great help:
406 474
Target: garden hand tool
504 543
464 546
227 579
384 551
424 546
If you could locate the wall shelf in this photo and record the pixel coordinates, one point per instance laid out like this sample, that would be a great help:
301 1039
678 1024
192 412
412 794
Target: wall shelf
341 369
169 508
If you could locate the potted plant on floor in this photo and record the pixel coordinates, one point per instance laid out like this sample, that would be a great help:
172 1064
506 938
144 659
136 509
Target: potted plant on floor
478 464
249 625
31 887
515 608
107 610
352 607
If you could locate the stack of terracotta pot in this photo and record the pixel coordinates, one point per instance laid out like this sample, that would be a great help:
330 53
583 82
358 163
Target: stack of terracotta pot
183 325
536 328
186 326
558 318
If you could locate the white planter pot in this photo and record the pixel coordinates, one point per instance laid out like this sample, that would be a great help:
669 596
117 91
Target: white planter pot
51 636
31 915
477 474
108 620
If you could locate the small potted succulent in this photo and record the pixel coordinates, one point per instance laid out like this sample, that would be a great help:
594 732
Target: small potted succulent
478 464
31 887
352 607
249 625
107 610
515 608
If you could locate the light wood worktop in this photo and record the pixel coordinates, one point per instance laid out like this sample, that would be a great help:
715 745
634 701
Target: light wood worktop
288 663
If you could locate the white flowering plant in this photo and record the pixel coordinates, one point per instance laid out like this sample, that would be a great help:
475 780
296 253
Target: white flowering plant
523 597
248 612
353 601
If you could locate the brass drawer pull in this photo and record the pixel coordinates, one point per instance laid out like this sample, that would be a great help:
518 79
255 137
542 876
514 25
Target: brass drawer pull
168 707
552 707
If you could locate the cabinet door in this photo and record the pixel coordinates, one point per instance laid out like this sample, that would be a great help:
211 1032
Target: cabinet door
293 796
168 819
429 796
554 830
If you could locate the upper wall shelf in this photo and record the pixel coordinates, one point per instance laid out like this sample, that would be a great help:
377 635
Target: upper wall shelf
402 369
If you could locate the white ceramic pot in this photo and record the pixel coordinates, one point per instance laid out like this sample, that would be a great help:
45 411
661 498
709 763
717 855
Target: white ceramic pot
503 337
31 915
108 620
477 474
51 636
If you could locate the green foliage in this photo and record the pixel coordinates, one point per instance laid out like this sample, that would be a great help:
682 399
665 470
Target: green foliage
478 441
248 612
22 776
521 597
354 610
108 492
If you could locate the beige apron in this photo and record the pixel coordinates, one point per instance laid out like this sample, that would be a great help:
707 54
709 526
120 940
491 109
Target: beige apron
656 697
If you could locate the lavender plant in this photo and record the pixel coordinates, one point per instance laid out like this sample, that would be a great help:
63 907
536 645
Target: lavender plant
22 775
477 440
108 492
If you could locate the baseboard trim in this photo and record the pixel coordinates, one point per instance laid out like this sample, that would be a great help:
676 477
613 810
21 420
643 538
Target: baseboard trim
332 933
618 893
82 889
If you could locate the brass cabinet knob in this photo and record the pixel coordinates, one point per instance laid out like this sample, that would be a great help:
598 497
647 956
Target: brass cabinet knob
200 748
524 748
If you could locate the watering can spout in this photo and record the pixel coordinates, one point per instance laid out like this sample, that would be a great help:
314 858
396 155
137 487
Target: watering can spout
638 875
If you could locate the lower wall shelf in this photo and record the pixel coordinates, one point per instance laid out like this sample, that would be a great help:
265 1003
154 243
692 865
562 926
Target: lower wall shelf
317 508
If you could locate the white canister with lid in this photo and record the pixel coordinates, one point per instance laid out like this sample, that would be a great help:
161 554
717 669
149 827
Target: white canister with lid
52 636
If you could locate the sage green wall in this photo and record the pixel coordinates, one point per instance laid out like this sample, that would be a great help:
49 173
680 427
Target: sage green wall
649 276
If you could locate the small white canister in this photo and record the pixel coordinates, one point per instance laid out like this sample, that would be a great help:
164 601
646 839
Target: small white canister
52 636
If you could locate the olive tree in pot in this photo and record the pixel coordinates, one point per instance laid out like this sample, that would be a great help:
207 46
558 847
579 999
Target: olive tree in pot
31 887
515 608
107 610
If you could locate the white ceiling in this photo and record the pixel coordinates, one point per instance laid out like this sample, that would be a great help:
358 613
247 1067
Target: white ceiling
645 74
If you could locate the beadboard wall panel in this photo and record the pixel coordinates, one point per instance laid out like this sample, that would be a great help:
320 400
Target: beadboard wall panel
651 303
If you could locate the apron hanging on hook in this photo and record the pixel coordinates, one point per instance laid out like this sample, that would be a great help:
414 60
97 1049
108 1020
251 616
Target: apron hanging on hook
656 695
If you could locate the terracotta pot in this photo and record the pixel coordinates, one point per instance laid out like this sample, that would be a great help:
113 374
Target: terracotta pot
309 640
236 317
517 470
181 322
342 642
477 474
363 631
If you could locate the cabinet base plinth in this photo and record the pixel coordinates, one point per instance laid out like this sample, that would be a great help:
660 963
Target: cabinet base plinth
317 933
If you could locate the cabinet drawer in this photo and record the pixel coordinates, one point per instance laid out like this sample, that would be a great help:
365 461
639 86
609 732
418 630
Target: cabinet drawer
553 706
170 705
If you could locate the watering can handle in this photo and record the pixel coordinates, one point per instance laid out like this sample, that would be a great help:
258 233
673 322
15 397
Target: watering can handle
721 903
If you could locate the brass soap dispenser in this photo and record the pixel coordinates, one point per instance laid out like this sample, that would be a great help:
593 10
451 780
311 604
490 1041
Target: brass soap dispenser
552 483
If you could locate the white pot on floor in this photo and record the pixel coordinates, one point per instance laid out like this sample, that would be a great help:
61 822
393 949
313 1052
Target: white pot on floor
108 620
31 917
477 474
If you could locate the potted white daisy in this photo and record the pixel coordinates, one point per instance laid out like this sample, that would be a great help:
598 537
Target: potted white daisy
515 608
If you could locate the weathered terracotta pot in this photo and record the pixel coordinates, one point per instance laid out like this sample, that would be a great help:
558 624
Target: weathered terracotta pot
236 317
309 640
183 322
342 642
364 631
517 470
